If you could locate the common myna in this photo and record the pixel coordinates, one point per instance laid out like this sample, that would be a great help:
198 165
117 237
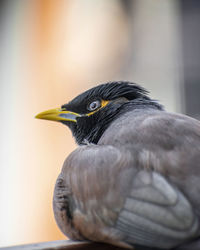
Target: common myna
134 180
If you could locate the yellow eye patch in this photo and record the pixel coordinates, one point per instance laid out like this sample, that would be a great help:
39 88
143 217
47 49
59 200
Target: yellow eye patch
103 104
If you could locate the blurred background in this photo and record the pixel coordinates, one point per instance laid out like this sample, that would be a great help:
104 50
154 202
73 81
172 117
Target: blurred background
50 51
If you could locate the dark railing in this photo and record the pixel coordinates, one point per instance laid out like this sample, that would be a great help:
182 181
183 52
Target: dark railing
62 245
86 245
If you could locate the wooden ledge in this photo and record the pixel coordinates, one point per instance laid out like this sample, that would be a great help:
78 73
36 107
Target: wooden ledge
64 244
87 245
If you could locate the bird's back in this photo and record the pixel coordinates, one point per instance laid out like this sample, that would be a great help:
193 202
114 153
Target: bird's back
167 143
161 143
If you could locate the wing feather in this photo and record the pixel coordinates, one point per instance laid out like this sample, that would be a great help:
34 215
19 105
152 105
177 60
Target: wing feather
163 220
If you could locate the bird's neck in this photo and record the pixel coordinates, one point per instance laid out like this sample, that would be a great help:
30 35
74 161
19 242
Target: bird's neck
91 131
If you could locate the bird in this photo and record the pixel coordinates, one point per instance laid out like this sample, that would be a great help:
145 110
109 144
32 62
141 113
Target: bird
134 179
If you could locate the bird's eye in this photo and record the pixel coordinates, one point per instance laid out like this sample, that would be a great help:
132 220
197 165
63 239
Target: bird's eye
94 105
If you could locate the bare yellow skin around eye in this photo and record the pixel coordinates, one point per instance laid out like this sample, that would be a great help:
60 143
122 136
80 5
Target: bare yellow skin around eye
103 104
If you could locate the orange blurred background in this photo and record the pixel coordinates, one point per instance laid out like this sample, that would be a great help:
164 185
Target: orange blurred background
50 52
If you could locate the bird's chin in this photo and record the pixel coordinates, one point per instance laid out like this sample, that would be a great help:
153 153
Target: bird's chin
71 125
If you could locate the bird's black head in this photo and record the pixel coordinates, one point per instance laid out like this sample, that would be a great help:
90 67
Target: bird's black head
90 113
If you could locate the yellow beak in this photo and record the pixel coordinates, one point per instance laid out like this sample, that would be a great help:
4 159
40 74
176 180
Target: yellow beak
58 115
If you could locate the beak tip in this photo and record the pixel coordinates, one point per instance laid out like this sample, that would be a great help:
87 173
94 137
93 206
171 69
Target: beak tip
37 116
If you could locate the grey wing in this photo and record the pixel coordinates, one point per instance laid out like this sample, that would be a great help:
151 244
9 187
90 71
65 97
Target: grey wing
156 214
101 195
